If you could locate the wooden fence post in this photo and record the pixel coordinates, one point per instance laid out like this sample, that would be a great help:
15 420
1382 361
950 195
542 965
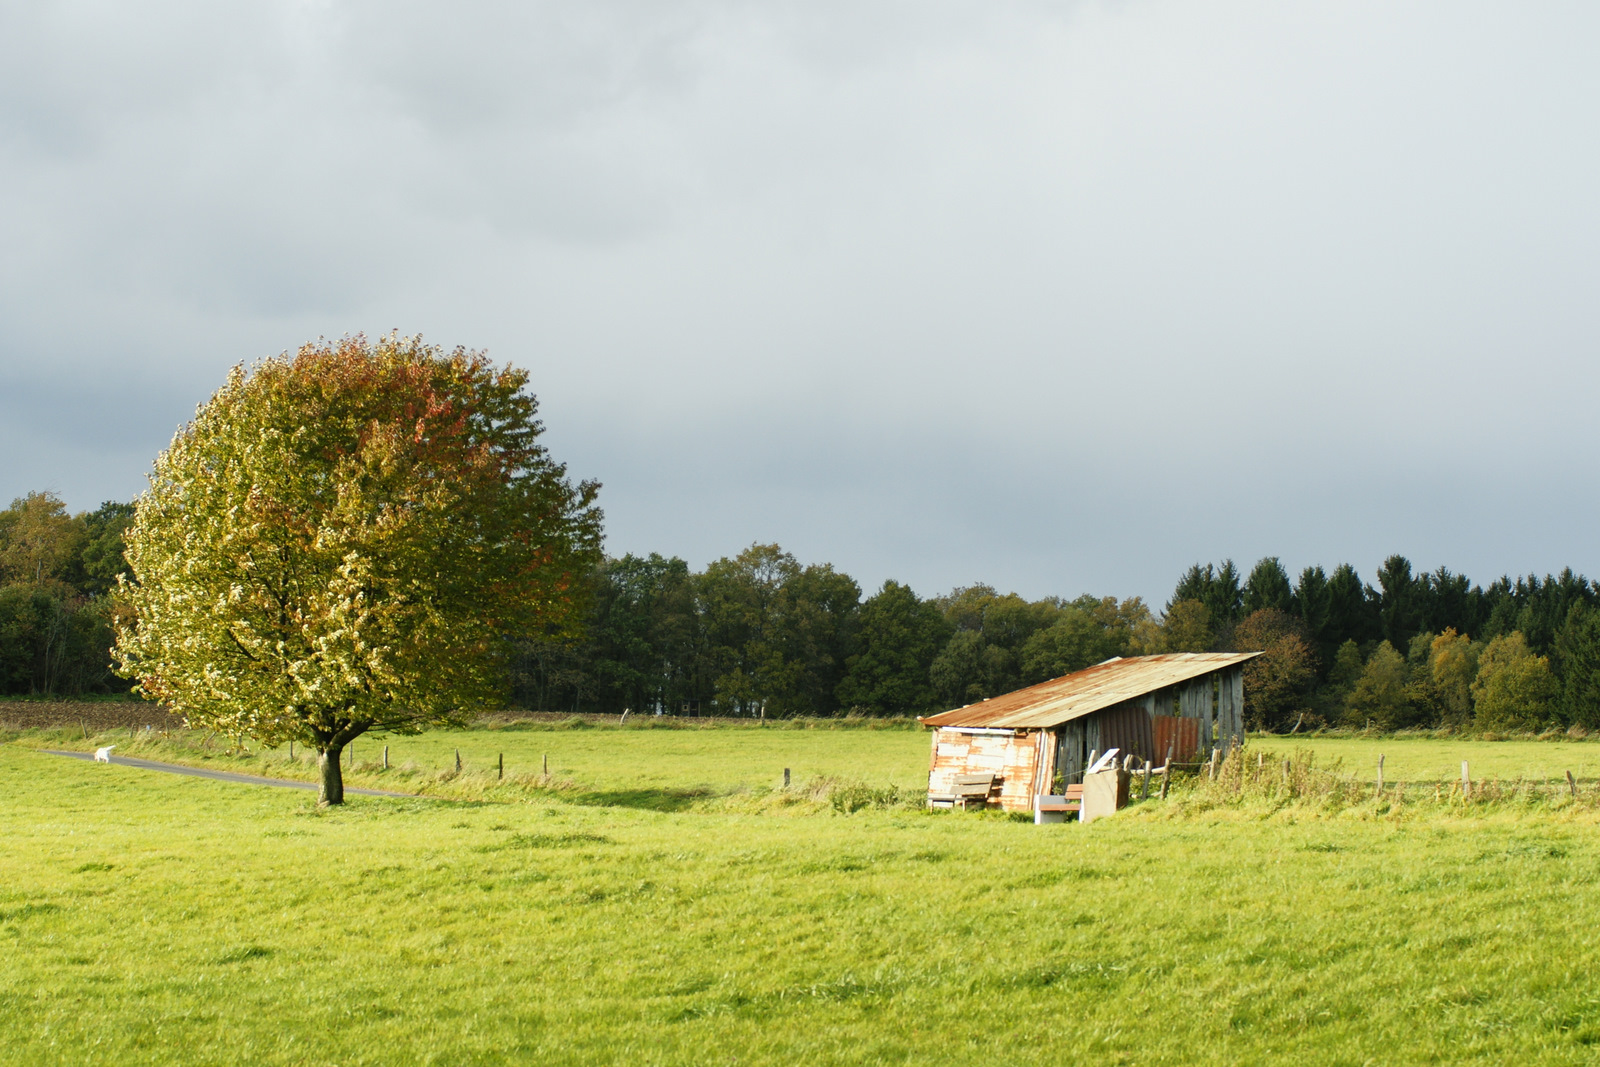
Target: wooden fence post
1572 784
1466 780
291 748
1212 773
1166 776
458 761
1380 775
385 757
501 770
786 778
1144 793
547 764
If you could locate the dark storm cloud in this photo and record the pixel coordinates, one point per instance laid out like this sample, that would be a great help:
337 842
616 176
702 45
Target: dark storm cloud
1062 297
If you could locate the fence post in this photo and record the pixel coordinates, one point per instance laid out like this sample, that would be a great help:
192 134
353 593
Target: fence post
501 771
1144 793
1212 773
786 778
1466 780
385 757
1166 776
1572 784
458 761
291 748
1380 775
547 764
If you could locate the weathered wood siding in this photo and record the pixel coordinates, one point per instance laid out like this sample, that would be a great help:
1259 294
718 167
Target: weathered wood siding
1194 702
1072 749
1015 757
1230 707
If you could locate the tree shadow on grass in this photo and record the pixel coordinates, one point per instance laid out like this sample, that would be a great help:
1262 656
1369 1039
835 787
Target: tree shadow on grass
642 799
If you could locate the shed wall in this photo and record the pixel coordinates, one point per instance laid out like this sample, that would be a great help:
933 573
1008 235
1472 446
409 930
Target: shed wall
1014 757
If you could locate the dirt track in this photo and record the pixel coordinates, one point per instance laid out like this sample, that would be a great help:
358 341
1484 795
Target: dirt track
219 776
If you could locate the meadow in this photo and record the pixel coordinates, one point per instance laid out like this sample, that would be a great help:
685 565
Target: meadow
705 915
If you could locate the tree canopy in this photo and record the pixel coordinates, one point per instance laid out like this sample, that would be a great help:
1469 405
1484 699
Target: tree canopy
346 539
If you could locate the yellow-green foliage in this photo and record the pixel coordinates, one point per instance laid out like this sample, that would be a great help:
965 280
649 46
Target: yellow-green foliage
342 538
1514 689
148 918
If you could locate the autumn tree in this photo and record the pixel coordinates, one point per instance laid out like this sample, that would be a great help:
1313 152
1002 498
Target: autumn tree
1452 665
346 539
1380 691
1275 683
1514 689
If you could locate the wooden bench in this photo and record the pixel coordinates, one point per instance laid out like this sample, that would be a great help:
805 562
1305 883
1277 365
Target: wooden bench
969 788
1060 806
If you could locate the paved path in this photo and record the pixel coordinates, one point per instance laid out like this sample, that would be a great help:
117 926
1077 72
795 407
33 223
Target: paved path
221 776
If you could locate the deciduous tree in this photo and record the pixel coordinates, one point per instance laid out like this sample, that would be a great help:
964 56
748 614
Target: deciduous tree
899 637
344 540
1514 689
1276 682
1380 692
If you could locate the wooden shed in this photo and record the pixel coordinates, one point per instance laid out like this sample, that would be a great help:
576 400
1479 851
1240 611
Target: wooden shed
1187 702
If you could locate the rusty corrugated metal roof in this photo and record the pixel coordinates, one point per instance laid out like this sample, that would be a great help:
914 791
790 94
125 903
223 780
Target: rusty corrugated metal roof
1085 692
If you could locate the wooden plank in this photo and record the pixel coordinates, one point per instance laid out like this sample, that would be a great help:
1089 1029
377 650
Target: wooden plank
1233 685
1194 702
1225 711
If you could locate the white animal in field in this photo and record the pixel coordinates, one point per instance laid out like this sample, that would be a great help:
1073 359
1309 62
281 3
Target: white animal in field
103 755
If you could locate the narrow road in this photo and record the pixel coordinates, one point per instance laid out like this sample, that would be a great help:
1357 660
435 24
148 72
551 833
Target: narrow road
221 776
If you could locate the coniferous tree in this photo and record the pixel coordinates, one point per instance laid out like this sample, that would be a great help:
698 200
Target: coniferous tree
1577 655
1268 588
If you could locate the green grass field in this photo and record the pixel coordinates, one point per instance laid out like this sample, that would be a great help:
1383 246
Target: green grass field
147 918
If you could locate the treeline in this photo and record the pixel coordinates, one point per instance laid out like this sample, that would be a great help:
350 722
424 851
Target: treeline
760 634
1417 650
56 570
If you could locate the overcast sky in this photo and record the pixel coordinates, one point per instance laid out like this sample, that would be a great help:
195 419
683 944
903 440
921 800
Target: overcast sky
1061 297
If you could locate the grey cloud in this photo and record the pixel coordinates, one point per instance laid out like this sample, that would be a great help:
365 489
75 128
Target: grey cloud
1061 296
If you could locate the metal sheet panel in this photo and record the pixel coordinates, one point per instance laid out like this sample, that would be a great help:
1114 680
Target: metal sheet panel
1015 758
1085 692
1126 728
1179 735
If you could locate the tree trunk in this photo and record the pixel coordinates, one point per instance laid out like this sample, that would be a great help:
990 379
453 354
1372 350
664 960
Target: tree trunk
332 789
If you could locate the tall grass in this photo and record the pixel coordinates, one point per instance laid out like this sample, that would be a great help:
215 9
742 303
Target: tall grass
1259 779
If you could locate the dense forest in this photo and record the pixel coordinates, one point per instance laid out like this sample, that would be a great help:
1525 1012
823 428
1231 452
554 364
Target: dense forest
760 634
